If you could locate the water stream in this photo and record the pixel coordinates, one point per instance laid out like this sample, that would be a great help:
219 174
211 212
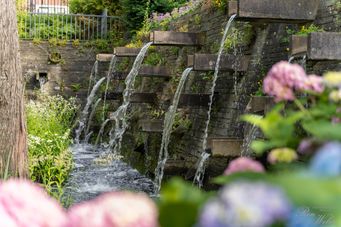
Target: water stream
90 178
91 117
111 70
167 130
120 115
199 175
93 76
84 114
200 171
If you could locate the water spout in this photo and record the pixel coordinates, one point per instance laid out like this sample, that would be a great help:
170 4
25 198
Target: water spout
93 76
200 173
120 115
167 130
84 114
215 77
92 114
109 75
291 58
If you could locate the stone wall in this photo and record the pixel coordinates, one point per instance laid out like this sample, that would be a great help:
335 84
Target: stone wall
69 77
269 45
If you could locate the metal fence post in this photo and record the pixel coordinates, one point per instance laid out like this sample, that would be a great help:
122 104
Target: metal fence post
104 24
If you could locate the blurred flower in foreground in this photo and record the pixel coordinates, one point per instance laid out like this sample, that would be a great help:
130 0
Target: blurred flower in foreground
332 79
282 79
327 162
335 96
282 155
244 204
301 217
23 204
116 209
314 83
244 165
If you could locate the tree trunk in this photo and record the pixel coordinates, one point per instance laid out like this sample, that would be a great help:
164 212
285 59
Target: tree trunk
13 145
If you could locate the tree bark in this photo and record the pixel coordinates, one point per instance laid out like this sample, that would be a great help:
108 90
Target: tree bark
12 120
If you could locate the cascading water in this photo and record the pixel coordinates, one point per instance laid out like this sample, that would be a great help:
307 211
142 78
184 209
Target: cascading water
199 175
93 76
291 58
167 130
101 131
200 171
251 135
91 117
109 75
120 115
84 114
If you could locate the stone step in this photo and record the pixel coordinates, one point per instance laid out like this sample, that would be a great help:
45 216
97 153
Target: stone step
317 46
146 71
293 11
177 38
126 51
135 98
260 104
151 125
207 62
225 146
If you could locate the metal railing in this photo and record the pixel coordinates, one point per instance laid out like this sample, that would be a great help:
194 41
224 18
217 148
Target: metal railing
46 19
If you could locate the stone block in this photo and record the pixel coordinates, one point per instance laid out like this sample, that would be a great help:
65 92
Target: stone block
275 10
299 45
151 125
126 51
324 46
177 38
225 147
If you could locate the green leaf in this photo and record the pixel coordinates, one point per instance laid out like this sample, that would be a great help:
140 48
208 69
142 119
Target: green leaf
323 129
179 204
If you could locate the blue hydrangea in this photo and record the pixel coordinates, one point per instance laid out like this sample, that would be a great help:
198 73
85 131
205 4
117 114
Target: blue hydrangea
244 204
327 162
301 217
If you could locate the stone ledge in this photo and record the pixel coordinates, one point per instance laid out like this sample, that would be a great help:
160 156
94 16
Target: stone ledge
177 38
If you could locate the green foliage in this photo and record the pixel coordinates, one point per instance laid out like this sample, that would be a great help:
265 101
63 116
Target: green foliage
134 11
277 128
49 121
180 204
239 37
307 30
155 59
220 4
95 6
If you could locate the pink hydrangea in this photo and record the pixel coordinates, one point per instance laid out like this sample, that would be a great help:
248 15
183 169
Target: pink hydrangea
23 204
284 79
315 83
244 164
116 209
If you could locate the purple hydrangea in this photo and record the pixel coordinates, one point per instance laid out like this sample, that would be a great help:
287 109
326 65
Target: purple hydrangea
301 217
327 161
246 204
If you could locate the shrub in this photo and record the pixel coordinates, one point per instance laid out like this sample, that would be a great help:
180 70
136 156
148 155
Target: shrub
49 120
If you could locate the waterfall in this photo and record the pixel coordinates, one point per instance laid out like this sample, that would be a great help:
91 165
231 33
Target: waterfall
167 130
101 131
304 61
291 58
109 75
248 139
215 77
92 114
93 76
120 115
84 114
200 173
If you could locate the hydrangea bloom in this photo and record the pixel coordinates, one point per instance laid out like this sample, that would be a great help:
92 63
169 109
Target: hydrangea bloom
284 79
23 204
327 162
286 155
244 164
246 204
302 218
116 209
314 83
333 79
